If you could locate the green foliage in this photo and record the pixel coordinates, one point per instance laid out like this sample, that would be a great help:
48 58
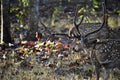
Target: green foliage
56 10
82 10
95 3
93 11
69 0
12 9
118 12
18 11
25 3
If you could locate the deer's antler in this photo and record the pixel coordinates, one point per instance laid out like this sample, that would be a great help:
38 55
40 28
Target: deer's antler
75 22
105 19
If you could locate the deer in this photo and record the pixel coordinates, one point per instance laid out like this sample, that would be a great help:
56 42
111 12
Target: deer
102 45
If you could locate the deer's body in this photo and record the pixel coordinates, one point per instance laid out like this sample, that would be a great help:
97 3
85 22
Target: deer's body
105 44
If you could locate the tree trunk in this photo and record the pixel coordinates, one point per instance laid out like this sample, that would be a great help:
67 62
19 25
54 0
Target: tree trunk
1 37
33 19
6 21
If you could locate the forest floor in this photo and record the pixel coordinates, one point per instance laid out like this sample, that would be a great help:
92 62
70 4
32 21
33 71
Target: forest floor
44 61
40 61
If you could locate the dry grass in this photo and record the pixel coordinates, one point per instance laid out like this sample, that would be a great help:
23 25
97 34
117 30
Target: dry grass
69 68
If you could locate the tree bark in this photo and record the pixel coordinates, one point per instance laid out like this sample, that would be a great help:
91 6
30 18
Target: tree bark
6 21
33 19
